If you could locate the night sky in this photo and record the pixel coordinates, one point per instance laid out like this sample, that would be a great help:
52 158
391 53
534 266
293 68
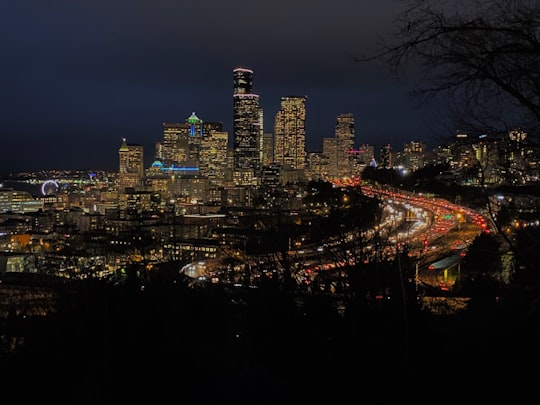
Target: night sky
78 76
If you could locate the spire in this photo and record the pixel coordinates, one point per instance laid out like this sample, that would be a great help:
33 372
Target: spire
195 124
124 146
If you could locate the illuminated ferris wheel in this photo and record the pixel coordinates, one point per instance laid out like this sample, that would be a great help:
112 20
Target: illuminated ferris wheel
49 187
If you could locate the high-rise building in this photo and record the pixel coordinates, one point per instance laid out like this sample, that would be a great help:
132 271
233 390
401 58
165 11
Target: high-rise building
247 123
330 156
339 150
131 165
196 131
213 156
268 149
192 156
181 144
345 133
173 150
290 132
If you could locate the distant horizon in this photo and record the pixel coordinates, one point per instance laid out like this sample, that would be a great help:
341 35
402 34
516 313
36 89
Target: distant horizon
91 73
150 160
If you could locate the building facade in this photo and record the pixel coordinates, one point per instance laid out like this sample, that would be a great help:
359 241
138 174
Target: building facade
247 122
344 133
290 132
131 165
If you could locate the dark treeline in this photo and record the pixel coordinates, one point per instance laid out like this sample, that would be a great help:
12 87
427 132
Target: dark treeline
162 338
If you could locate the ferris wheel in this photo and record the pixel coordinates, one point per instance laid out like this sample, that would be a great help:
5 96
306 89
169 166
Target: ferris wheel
49 187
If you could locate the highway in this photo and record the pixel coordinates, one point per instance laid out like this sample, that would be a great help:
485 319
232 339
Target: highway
429 229
435 232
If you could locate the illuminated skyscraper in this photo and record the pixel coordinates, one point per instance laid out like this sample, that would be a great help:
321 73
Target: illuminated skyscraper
213 155
268 149
194 140
344 143
290 132
131 170
338 150
181 145
247 122
173 150
330 156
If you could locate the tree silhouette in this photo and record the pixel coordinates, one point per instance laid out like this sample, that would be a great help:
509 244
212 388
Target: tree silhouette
483 55
482 256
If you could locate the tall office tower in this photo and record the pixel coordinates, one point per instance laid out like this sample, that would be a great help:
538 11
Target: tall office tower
267 149
196 130
213 156
345 143
290 132
173 149
247 122
330 157
181 143
213 153
131 170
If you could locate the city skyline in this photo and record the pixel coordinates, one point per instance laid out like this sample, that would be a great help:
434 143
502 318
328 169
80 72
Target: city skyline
89 75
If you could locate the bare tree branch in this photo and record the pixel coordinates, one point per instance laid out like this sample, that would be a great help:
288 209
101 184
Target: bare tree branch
482 55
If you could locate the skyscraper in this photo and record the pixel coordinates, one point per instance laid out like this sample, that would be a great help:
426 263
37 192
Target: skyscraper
290 132
131 165
338 150
173 150
268 149
345 143
330 156
213 155
181 145
247 122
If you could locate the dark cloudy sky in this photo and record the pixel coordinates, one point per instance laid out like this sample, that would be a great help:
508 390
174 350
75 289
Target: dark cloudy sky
78 76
